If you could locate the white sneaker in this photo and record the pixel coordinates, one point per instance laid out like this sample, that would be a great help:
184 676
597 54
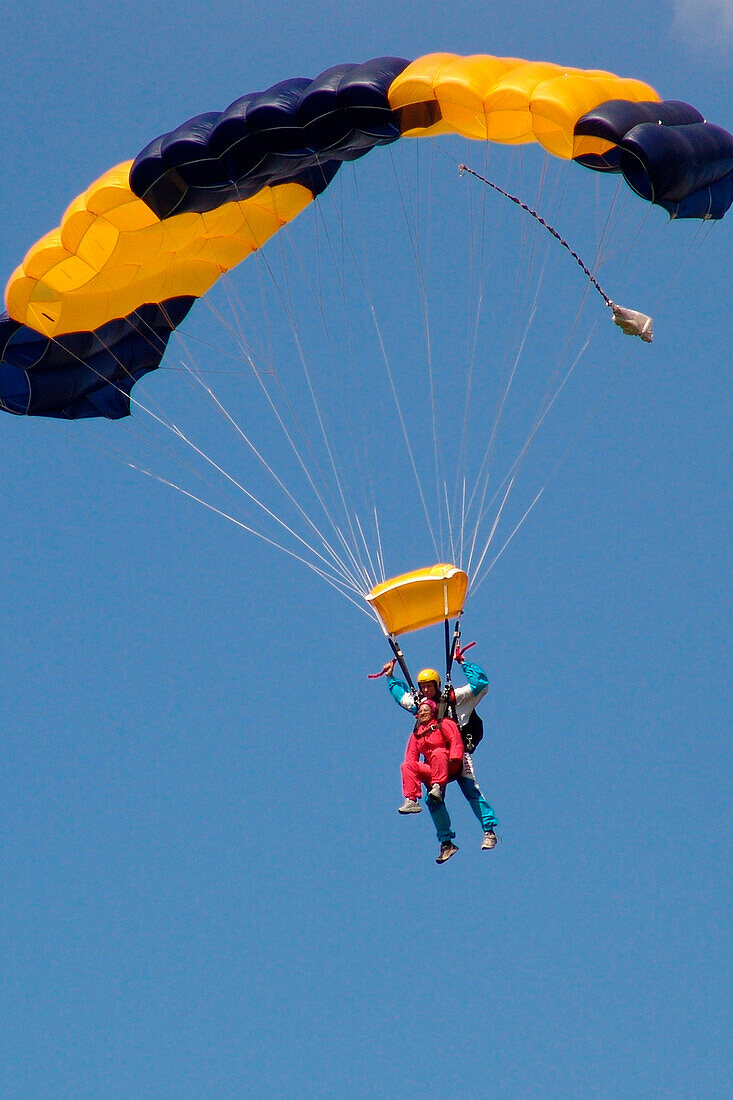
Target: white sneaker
436 792
410 806
489 840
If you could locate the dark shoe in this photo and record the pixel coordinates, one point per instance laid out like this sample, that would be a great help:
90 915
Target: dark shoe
447 849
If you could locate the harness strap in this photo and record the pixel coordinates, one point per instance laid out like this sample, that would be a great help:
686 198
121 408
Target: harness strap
400 657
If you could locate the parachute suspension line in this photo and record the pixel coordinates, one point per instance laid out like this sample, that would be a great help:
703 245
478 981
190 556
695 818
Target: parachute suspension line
362 280
494 560
630 321
609 231
463 520
337 267
365 544
177 433
196 377
548 398
600 233
411 455
235 330
548 401
494 526
336 582
360 447
411 223
545 406
526 260
239 339
475 304
338 562
288 309
702 232
473 322
353 547
621 234
538 217
482 480
155 441
478 580
250 496
512 474
449 523
380 554
140 432
423 262
348 249
390 377
479 248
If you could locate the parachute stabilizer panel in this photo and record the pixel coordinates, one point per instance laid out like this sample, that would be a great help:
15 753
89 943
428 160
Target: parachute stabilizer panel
421 598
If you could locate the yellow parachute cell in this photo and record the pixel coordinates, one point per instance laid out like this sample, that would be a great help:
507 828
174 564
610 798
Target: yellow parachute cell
111 254
143 242
505 99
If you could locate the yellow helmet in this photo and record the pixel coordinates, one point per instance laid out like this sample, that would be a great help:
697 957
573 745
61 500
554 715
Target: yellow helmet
427 676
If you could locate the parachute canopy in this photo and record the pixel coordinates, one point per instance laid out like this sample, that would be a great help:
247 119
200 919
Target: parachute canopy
92 306
421 598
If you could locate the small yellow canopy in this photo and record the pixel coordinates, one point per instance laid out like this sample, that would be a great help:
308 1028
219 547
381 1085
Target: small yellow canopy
421 598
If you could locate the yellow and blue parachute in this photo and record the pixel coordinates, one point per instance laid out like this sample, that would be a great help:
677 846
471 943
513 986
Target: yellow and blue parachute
92 306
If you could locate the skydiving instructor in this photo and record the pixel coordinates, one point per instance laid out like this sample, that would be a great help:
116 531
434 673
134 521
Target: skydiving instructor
466 699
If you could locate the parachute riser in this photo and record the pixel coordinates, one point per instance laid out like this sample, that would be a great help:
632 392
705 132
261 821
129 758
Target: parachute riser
450 650
400 658
451 642
450 647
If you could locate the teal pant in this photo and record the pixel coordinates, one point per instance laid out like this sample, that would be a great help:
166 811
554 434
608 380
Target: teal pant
477 802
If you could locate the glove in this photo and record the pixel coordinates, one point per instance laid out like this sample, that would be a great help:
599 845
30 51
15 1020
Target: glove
461 652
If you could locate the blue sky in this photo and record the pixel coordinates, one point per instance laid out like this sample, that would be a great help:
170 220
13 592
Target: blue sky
207 889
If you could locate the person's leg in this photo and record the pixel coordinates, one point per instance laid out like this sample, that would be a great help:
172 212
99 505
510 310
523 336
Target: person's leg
477 802
439 767
414 773
441 820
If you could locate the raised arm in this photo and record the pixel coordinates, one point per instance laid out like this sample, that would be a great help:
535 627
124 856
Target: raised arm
399 690
401 694
478 681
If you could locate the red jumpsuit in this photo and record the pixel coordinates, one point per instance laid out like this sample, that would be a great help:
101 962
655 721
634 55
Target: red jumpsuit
442 748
